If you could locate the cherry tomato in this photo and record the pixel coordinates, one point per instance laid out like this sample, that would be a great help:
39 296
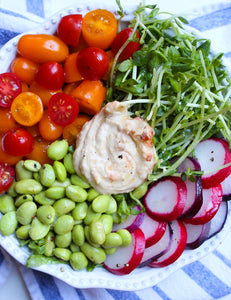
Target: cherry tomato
120 39
92 63
63 109
69 29
7 120
17 142
10 87
11 160
39 152
48 129
50 75
99 28
70 68
7 175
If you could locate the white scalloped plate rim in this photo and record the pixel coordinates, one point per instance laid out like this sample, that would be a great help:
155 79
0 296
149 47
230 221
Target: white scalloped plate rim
100 278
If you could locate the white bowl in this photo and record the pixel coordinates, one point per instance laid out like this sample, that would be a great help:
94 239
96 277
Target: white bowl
100 278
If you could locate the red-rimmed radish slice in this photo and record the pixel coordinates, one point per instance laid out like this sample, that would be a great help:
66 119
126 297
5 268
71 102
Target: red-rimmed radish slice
196 234
132 222
226 188
153 230
194 188
178 244
165 199
158 249
213 154
218 221
211 201
126 259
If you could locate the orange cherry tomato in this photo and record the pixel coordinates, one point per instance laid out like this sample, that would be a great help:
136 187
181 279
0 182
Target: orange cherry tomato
25 87
39 152
7 158
27 108
70 131
24 68
90 95
7 120
48 129
42 92
33 130
70 69
42 48
99 28
81 45
68 88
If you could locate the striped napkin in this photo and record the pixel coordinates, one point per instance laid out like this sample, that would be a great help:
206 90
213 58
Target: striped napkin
207 278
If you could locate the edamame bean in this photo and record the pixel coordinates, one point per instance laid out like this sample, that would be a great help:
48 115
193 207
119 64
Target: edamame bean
112 208
23 232
55 192
92 194
60 170
62 253
47 175
63 206
38 230
22 199
107 222
80 211
65 183
6 203
96 255
11 191
112 240
74 248
140 191
87 237
42 199
125 236
58 149
110 251
26 212
46 214
8 223
21 172
77 180
78 236
101 203
63 240
64 224
28 186
32 165
49 243
76 193
96 232
78 261
91 215
68 163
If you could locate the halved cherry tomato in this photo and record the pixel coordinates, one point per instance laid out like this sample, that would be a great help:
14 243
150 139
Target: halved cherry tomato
69 29
7 175
63 109
41 48
7 120
121 38
71 72
48 129
50 75
10 87
92 63
18 142
24 68
70 131
39 152
99 28
27 108
11 160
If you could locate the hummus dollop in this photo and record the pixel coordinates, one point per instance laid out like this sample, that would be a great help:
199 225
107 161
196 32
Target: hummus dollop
114 152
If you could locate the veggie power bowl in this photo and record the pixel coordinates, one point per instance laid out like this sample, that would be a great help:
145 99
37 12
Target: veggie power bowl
114 152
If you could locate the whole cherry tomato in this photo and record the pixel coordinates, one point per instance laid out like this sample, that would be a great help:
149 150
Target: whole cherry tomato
92 63
69 29
50 75
10 87
17 142
121 38
63 109
7 120
48 129
7 175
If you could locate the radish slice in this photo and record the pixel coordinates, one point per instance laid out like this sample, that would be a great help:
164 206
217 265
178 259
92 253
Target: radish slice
177 246
126 259
165 199
132 222
211 201
226 188
194 189
153 230
212 154
158 249
196 234
218 221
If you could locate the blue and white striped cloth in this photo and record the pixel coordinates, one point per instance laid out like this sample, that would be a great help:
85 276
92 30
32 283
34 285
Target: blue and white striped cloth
207 278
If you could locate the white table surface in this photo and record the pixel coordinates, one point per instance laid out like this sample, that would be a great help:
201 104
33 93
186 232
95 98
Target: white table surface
14 287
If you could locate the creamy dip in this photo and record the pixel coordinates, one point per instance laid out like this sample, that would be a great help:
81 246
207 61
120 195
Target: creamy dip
114 152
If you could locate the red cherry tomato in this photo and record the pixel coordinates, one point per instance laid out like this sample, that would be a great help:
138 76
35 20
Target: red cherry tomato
50 75
63 109
120 39
10 87
7 174
17 142
69 29
92 63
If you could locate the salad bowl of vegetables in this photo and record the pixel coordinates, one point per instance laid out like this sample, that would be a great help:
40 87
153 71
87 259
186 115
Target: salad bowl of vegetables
149 69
